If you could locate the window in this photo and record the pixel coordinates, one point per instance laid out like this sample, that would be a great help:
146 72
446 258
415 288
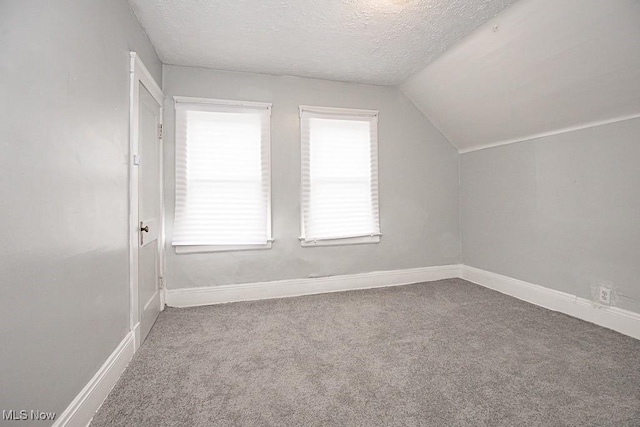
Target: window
339 176
223 188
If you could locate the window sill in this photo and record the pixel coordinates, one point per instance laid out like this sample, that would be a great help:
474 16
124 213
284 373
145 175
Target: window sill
184 250
340 242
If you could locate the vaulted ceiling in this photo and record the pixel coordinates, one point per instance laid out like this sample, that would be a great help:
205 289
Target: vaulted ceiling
540 67
367 41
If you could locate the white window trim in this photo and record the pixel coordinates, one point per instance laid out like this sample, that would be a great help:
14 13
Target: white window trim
336 110
354 240
192 100
196 249
340 241
191 249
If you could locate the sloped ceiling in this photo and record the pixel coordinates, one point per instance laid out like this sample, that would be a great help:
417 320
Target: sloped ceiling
540 67
367 41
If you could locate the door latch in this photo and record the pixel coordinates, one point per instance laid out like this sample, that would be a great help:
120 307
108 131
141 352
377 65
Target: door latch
143 229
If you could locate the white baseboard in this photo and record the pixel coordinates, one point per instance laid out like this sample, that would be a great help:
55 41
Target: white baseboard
135 333
623 321
189 297
84 406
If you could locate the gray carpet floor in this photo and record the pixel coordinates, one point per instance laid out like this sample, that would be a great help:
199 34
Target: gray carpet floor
445 353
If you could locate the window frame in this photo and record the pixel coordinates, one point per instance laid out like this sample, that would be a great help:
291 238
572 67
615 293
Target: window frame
195 249
339 241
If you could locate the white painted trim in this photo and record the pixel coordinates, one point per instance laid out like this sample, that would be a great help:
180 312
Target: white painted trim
190 297
203 249
341 111
188 99
338 241
133 196
349 114
135 332
620 320
139 74
550 133
162 257
88 401
266 148
623 321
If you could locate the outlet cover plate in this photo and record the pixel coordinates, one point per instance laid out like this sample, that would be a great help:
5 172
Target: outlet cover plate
604 295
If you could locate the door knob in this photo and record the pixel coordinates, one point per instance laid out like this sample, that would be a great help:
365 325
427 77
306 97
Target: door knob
145 229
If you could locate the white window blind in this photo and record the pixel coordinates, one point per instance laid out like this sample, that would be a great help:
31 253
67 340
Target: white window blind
339 174
222 173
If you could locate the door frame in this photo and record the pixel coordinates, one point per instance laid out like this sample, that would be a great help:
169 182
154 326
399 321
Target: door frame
139 74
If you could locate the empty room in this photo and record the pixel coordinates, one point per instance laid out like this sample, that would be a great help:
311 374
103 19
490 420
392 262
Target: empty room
320 213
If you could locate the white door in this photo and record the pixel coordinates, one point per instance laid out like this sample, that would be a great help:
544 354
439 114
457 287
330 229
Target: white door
149 210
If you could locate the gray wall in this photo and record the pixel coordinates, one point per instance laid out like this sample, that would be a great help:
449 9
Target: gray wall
64 123
418 183
562 211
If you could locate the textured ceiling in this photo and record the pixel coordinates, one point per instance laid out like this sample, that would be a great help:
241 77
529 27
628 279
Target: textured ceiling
367 41
540 67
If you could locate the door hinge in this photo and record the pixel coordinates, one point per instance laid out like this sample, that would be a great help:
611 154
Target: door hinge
161 282
160 131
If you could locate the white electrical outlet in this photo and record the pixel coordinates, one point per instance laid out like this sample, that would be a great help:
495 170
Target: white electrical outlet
604 295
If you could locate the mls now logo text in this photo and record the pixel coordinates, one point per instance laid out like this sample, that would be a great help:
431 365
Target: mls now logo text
24 415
